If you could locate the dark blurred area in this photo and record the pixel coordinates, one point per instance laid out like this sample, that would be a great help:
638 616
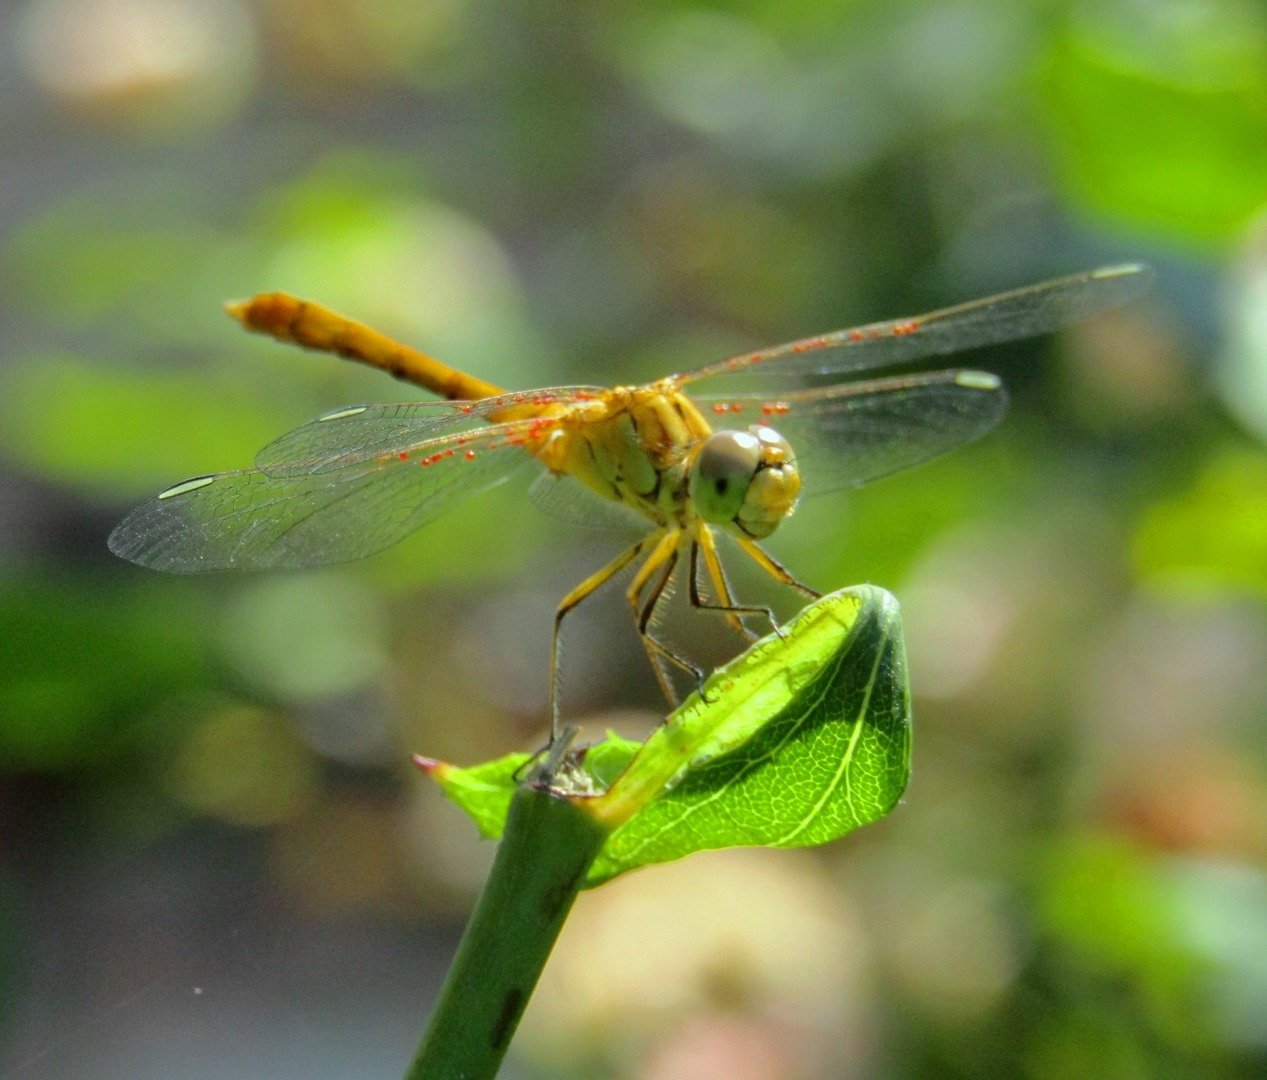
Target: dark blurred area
215 860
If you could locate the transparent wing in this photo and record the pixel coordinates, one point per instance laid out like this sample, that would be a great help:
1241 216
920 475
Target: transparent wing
848 435
565 498
356 437
991 321
250 520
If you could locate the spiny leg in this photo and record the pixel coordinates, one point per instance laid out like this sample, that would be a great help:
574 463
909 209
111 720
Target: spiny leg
665 552
659 555
705 544
595 581
774 568
649 643
648 614
725 596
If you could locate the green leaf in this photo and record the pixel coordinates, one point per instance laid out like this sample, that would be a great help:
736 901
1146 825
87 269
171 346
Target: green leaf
483 791
802 739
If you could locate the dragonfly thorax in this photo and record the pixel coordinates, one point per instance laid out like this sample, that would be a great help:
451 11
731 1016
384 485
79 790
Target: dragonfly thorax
746 480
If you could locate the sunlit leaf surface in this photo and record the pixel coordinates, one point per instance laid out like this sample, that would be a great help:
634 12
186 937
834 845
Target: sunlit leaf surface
807 739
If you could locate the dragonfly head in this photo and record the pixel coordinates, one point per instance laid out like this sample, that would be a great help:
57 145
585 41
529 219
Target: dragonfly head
746 480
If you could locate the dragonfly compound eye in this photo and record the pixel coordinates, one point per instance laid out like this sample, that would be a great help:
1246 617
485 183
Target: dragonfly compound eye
721 473
771 493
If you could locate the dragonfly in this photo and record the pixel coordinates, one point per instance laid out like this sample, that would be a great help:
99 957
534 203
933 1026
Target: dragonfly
729 448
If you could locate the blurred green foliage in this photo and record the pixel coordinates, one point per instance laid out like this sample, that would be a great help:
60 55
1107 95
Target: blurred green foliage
542 194
1159 113
83 667
1213 534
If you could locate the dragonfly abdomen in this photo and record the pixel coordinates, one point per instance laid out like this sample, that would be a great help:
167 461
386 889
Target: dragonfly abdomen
313 326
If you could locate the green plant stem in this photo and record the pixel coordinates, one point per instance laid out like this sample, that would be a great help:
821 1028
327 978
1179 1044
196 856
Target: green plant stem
549 844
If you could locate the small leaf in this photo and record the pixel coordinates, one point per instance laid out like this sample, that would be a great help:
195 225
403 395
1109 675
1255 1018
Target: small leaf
483 791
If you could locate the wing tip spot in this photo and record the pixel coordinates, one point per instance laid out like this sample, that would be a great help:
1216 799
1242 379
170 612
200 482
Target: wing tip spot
193 484
1120 270
977 380
342 414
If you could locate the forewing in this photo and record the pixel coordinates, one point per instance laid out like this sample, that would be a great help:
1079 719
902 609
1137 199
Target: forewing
250 520
848 435
355 437
991 321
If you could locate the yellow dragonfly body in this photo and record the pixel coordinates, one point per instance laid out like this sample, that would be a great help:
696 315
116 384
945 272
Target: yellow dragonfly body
686 461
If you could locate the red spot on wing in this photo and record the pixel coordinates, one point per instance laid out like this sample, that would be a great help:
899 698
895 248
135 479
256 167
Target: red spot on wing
810 344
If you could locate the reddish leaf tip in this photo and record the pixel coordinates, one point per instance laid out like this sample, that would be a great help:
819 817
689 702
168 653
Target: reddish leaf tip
429 766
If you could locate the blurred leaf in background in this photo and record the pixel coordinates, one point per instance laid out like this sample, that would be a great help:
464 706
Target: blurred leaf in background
1159 113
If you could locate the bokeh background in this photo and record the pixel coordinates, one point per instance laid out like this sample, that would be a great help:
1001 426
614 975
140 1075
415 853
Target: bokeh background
215 859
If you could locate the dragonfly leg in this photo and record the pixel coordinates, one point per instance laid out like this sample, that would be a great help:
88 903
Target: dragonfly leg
705 545
774 568
595 581
546 762
663 558
648 613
